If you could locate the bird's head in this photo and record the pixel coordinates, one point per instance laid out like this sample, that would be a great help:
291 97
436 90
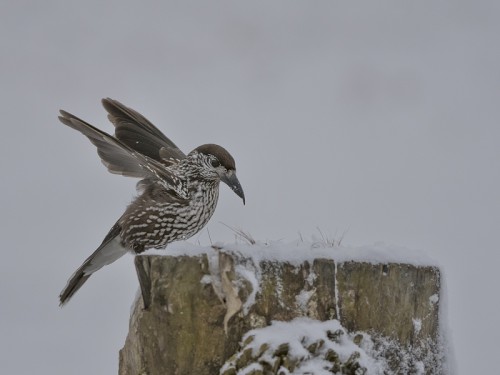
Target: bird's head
217 163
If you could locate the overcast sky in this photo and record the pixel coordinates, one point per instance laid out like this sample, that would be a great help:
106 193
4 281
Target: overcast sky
376 118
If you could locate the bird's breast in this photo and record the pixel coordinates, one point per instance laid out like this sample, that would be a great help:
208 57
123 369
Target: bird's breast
152 222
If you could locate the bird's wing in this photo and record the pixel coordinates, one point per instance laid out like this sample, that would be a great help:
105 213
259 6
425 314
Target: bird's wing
119 158
140 134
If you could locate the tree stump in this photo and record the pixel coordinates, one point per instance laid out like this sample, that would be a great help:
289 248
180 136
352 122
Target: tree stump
193 311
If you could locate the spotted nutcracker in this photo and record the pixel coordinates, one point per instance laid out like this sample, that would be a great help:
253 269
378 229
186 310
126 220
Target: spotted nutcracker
178 193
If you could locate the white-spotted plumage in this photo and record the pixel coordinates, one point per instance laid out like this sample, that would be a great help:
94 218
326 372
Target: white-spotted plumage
178 193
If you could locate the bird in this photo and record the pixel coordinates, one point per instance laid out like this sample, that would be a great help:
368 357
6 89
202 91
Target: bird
177 193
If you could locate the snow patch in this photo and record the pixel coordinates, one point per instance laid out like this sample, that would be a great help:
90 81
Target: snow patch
297 252
302 299
433 299
417 326
253 278
206 279
311 278
315 347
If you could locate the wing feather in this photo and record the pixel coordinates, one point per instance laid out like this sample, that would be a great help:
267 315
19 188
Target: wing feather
137 132
119 158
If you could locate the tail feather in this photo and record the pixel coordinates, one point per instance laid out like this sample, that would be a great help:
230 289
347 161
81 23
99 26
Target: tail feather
109 251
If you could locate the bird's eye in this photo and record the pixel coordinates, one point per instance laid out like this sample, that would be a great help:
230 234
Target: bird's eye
215 163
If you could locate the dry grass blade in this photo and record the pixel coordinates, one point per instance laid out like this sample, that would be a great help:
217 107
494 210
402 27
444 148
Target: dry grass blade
330 241
241 234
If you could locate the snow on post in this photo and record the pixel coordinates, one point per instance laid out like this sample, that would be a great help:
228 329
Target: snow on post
275 308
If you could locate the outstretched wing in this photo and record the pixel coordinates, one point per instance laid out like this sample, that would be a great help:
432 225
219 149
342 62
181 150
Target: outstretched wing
138 133
119 158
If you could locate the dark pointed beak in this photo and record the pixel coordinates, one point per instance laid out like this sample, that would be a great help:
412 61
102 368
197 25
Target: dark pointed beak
231 180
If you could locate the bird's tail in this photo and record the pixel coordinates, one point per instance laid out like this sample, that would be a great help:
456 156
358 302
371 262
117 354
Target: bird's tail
109 251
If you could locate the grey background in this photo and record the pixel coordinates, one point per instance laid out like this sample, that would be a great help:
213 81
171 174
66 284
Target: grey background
379 118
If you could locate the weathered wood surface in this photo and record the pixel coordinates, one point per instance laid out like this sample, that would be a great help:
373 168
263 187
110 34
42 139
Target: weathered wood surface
178 327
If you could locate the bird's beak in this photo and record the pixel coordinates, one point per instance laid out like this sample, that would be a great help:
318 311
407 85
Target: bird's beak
231 180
